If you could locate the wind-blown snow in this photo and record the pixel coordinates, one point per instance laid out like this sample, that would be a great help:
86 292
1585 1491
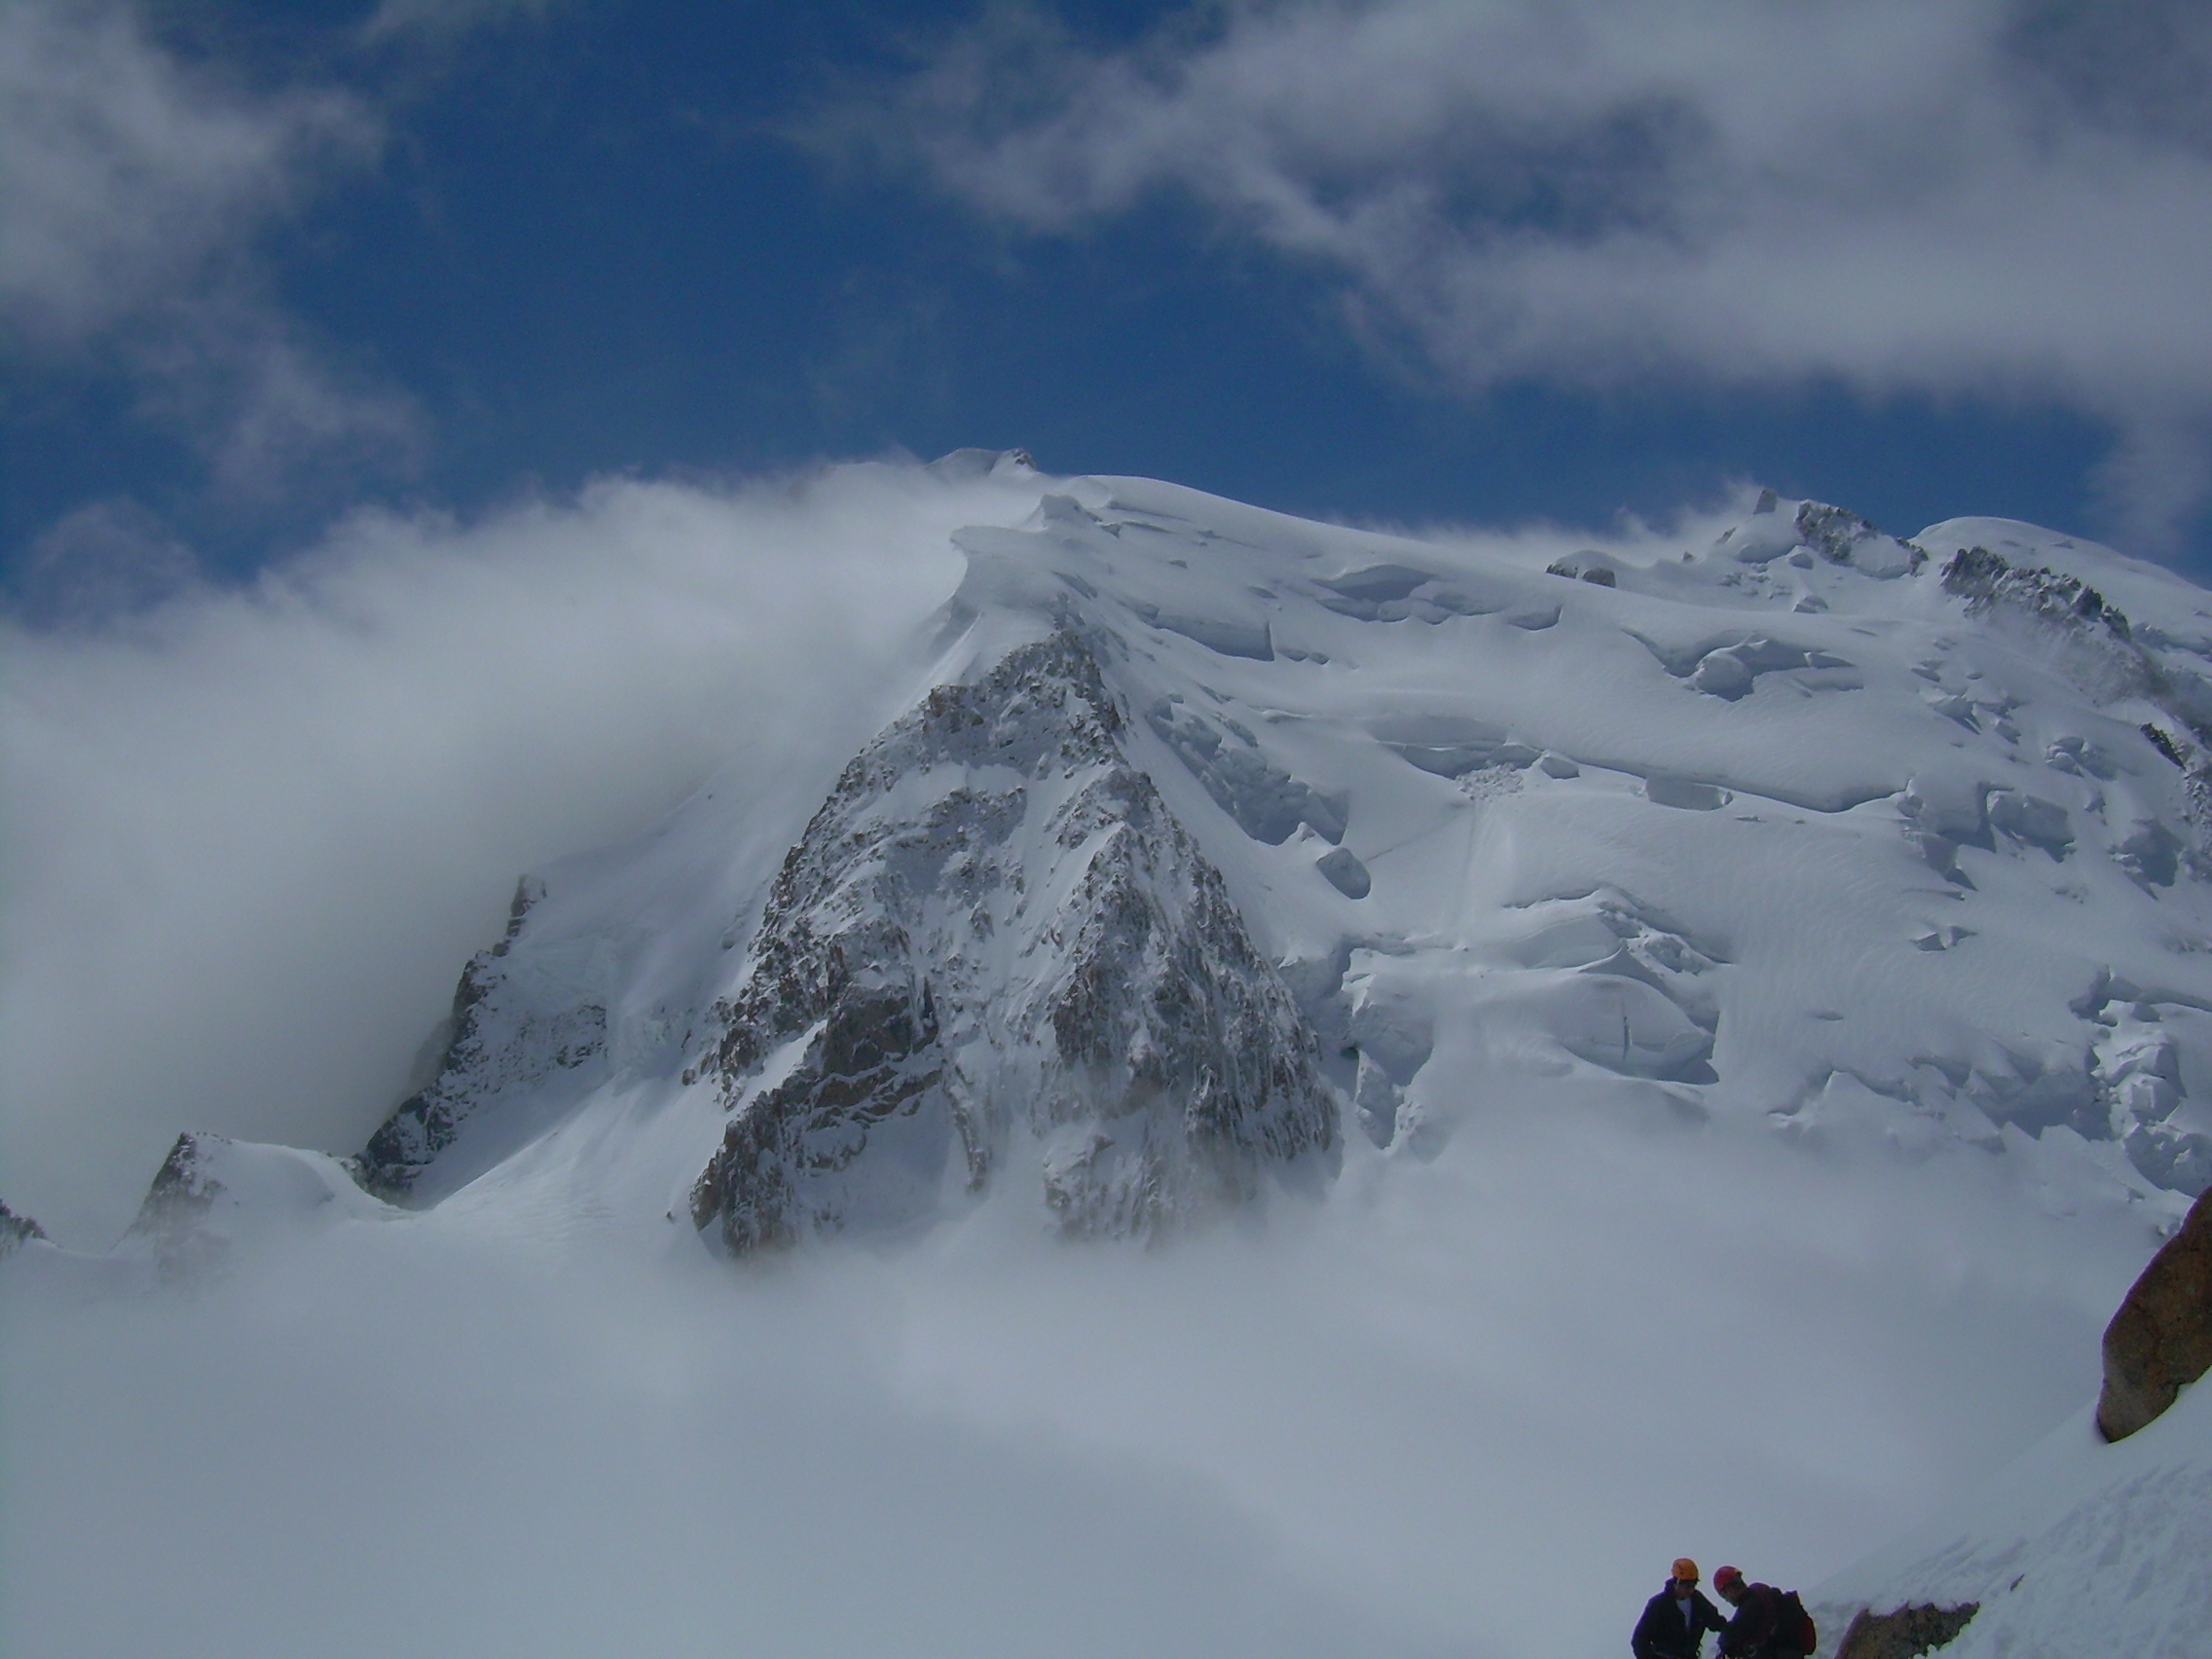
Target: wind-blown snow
249 839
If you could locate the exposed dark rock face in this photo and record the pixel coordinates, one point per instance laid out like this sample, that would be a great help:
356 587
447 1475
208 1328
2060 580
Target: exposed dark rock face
2107 653
1588 565
994 928
1906 1632
1983 578
2160 1341
2163 741
1833 531
170 1216
2095 641
492 1048
16 1230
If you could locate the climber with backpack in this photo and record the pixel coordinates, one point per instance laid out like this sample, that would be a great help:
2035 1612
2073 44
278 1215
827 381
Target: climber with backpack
1769 1623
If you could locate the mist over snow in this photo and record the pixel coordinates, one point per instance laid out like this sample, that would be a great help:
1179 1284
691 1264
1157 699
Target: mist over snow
249 835
1410 1420
1754 969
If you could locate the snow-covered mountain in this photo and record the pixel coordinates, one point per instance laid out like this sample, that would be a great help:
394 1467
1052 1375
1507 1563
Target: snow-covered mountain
1206 820
1207 829
1210 853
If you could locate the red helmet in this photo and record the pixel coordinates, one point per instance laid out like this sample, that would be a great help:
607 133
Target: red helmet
1726 1580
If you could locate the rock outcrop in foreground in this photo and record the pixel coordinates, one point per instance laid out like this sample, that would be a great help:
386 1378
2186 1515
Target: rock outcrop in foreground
2160 1341
1905 1633
2081 1545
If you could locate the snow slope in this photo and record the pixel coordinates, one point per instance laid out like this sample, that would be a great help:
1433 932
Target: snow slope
2078 1547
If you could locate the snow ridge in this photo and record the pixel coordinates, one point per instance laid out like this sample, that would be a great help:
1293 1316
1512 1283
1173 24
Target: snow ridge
213 1195
496 1047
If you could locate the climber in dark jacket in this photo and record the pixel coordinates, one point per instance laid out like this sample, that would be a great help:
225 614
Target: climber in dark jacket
1674 1621
1755 1632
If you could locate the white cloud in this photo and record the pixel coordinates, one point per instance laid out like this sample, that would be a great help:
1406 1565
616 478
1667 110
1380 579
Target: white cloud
123 175
1927 196
134 190
260 404
1466 1408
105 560
252 836
441 20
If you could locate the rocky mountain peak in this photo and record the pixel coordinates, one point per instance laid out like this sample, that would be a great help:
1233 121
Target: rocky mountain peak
489 1048
16 1230
995 934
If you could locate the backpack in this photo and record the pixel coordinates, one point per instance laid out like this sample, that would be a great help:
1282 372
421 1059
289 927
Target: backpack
1794 1626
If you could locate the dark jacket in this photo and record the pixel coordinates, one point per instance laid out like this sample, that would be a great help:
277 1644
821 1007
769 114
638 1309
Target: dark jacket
1663 1634
1754 1632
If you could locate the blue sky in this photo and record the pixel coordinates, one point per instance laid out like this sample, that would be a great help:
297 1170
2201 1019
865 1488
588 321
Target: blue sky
261 265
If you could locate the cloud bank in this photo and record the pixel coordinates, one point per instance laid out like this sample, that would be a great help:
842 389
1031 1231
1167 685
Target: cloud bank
1931 197
1464 1408
251 835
